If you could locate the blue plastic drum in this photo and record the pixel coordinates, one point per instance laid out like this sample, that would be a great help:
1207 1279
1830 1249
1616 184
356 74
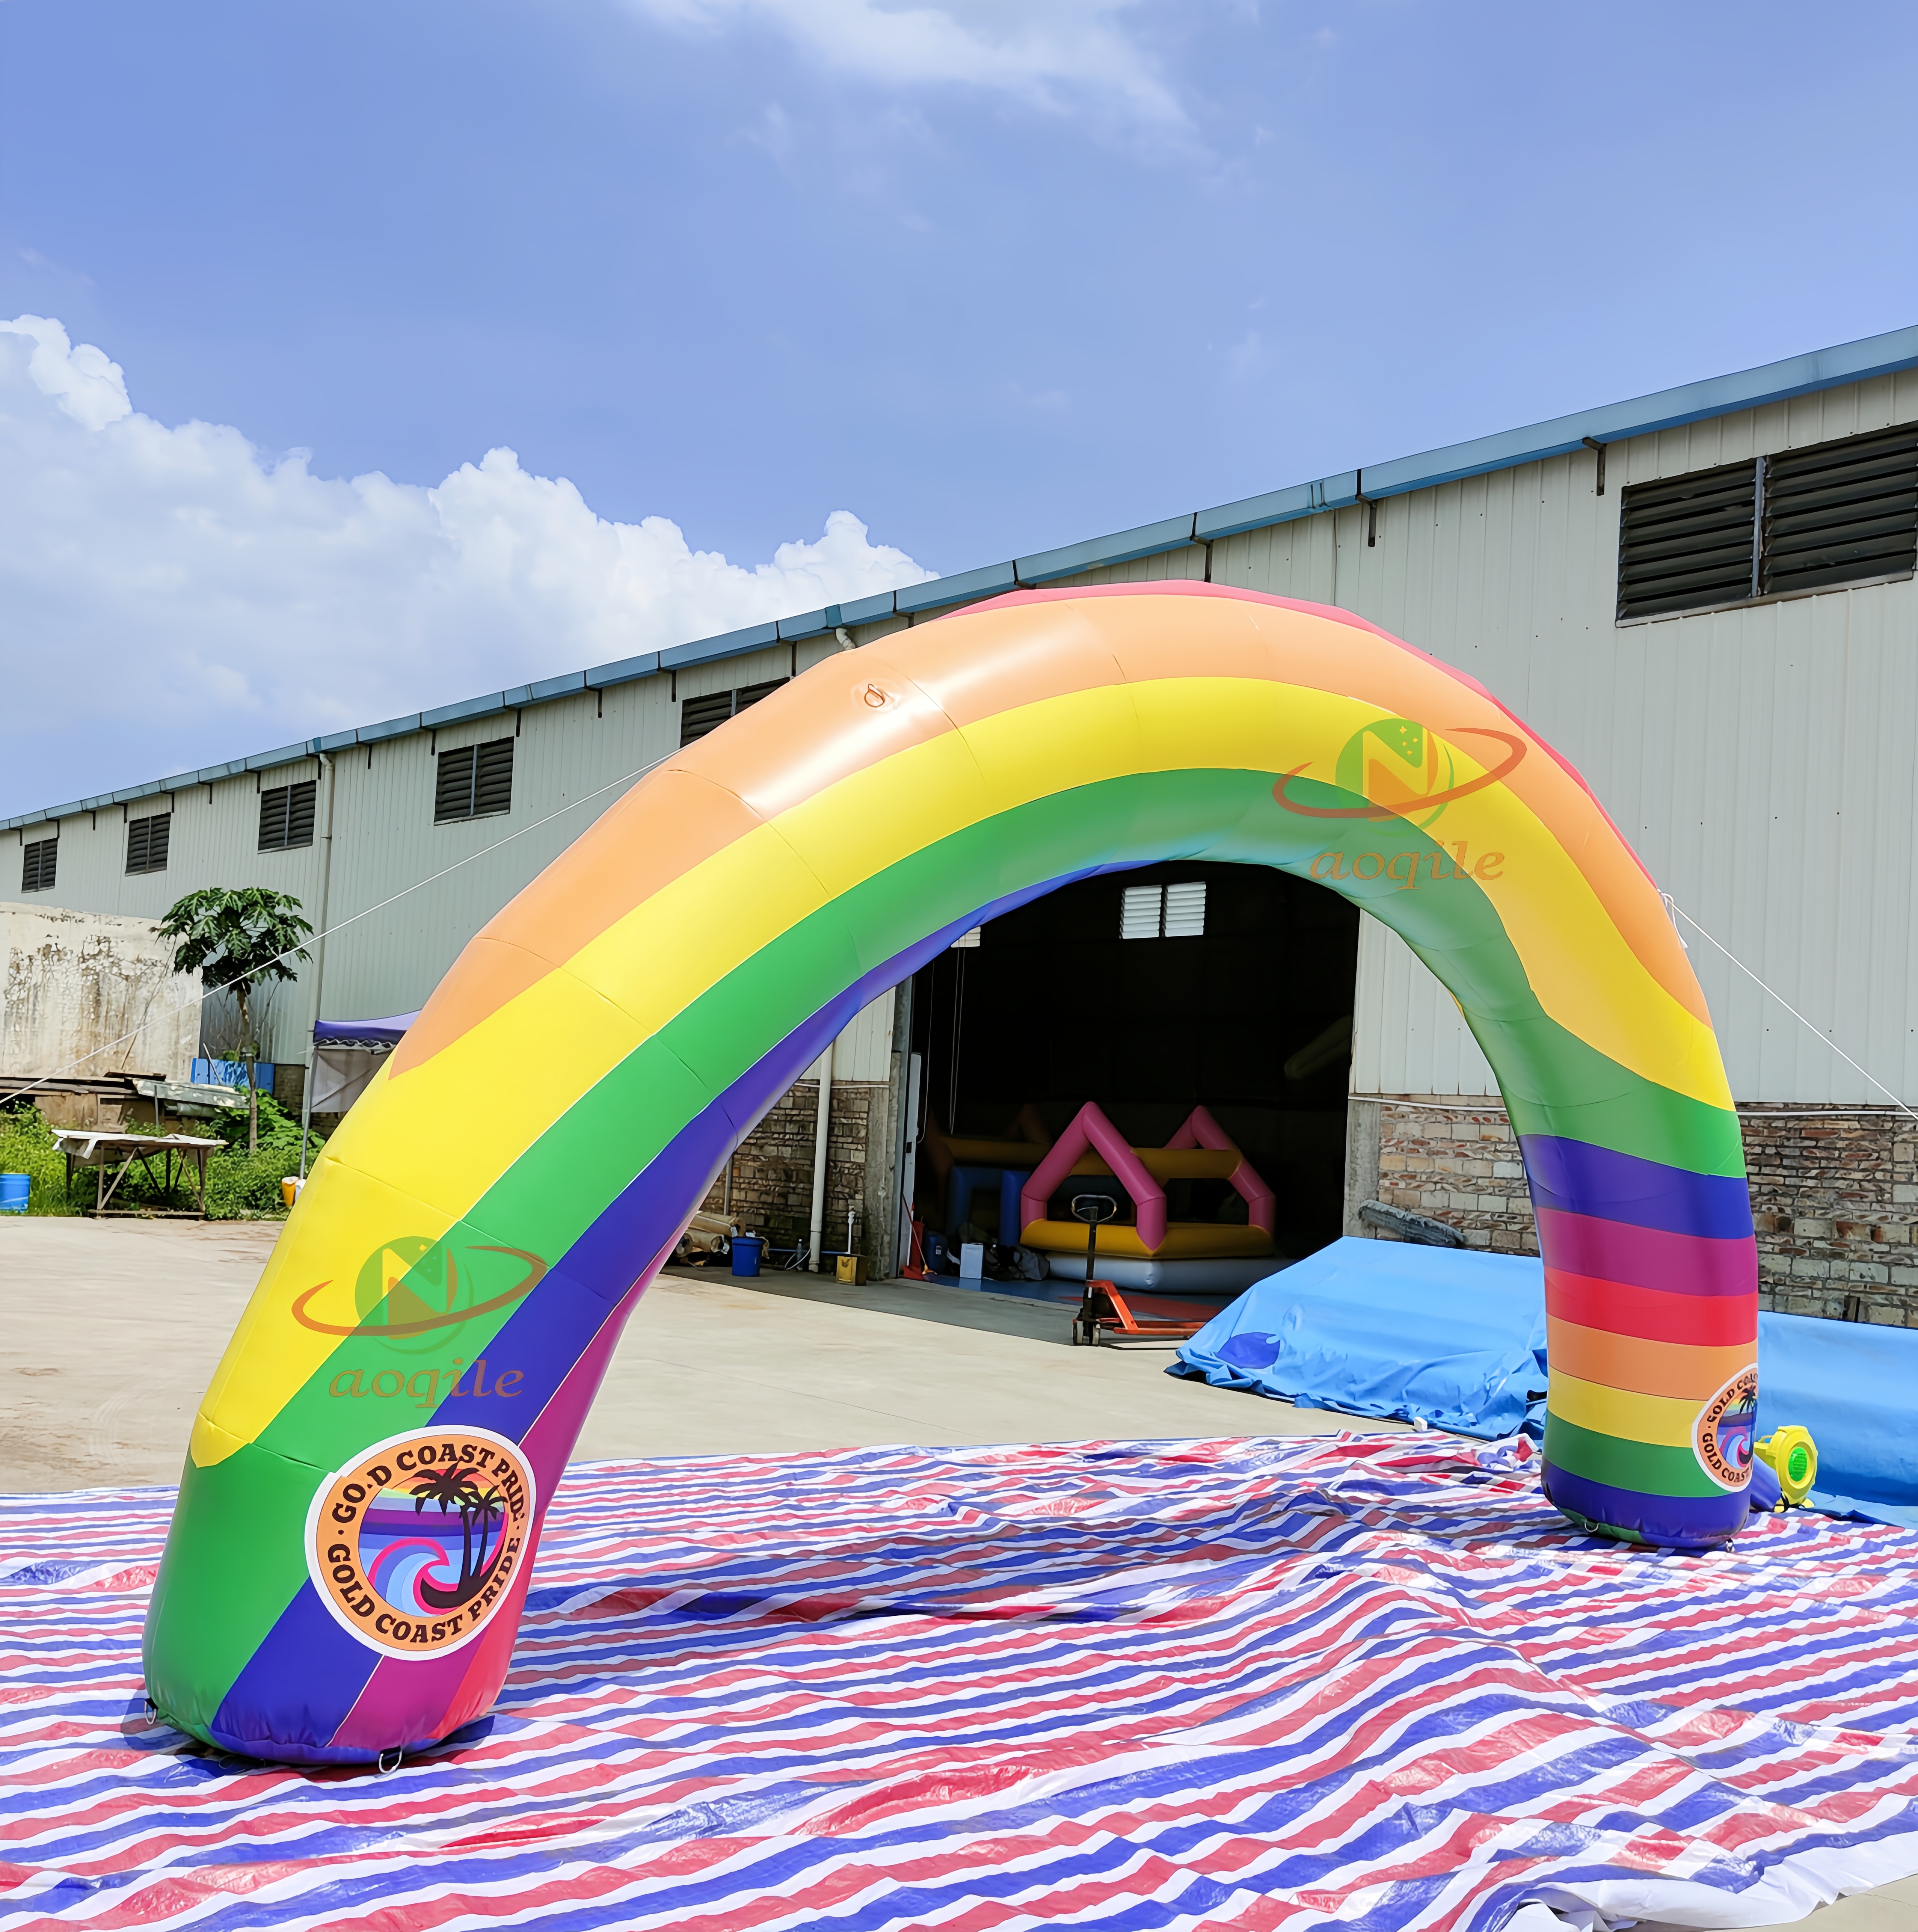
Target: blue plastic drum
14 1190
747 1249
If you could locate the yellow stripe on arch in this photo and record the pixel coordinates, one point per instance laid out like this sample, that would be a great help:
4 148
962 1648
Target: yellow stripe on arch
1664 1421
438 1138
438 1134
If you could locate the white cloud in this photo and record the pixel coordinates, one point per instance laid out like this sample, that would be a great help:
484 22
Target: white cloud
175 597
1038 50
90 389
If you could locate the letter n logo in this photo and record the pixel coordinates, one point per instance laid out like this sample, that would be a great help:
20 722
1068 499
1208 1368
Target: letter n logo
1395 762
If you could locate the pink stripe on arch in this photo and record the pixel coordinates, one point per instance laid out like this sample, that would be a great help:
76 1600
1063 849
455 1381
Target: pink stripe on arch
1190 586
1620 1251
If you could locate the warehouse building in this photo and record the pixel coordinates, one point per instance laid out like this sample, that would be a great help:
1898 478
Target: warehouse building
1704 599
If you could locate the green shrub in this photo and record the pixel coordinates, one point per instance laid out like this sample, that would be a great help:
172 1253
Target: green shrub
27 1146
238 1185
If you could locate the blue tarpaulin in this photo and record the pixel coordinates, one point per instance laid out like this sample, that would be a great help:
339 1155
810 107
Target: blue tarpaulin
1456 1339
1851 1383
1446 1335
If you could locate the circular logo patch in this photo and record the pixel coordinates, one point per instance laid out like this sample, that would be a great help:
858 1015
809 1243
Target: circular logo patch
1722 1434
413 1544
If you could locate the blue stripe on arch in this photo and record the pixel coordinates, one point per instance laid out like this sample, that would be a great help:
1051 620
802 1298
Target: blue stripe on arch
308 1671
1578 1178
1673 1522
545 1335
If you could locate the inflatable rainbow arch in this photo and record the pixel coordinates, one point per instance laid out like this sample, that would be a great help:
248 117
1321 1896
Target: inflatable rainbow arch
366 1476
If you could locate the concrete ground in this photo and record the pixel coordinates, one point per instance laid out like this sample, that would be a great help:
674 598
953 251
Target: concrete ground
113 1328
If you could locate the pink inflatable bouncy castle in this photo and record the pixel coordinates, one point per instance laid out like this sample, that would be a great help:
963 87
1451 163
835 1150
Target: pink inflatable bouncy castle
1201 1150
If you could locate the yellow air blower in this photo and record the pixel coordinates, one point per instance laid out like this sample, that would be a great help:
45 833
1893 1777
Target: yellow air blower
1791 1456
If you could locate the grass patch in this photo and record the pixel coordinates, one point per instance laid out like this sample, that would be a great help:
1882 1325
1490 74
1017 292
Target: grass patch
240 1187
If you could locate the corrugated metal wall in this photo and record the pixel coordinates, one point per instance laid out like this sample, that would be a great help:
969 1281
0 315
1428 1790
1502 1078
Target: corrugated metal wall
1761 759
405 894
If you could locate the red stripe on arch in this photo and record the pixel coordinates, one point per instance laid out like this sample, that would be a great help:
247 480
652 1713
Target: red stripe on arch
1650 1314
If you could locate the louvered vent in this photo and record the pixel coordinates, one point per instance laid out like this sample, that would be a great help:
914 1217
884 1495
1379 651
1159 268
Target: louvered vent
751 694
1841 511
699 716
38 864
1176 911
492 779
1185 910
286 816
1687 541
1140 910
476 781
147 841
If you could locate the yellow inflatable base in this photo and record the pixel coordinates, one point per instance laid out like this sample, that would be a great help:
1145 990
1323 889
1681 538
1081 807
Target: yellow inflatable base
1185 1241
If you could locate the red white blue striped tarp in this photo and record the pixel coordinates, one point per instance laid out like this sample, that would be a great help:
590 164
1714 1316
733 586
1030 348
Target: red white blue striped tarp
1367 1682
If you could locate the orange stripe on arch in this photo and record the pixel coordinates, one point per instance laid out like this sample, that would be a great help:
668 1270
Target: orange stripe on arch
1630 1362
942 676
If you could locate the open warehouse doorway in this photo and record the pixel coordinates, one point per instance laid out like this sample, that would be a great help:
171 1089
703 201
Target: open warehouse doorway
1150 993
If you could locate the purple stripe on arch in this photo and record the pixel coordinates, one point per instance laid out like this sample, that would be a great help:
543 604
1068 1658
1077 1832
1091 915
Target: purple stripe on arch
1672 1522
1615 1251
545 1334
1578 1178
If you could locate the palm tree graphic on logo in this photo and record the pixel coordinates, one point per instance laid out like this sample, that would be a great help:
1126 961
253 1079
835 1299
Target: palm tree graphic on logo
453 1488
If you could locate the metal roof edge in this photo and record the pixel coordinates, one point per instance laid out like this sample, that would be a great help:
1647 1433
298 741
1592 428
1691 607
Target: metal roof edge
1277 506
873 610
1096 553
807 624
1644 415
287 755
51 816
989 580
623 671
494 702
727 644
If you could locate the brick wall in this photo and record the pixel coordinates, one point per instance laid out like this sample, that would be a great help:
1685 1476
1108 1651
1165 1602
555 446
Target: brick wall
1459 1166
772 1170
1834 1195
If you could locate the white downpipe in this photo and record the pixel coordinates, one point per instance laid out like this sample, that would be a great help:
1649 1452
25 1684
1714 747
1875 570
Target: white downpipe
319 961
821 1134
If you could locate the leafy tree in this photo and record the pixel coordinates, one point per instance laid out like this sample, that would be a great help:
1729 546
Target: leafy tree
239 939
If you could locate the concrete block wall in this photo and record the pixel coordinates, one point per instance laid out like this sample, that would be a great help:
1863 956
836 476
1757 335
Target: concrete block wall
1834 1194
92 993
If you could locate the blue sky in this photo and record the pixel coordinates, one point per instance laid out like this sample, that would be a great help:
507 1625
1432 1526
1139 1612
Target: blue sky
990 277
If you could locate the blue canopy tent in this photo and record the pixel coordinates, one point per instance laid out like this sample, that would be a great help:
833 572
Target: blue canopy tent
346 1054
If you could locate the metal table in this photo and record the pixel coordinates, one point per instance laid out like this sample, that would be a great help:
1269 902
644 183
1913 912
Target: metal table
89 1146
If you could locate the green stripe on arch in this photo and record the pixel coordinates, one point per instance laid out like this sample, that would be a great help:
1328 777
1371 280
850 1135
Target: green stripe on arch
1556 1084
1645 1466
561 1185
